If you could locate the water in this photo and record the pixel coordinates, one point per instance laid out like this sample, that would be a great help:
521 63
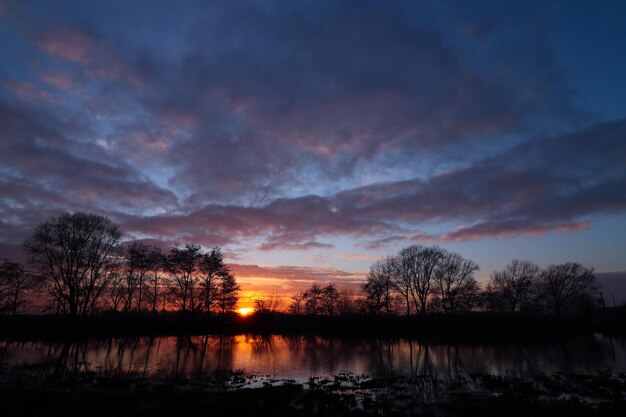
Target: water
299 358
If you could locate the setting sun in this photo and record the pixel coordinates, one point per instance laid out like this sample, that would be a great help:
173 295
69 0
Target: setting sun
245 311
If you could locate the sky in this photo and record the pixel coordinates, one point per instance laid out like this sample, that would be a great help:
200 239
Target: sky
310 138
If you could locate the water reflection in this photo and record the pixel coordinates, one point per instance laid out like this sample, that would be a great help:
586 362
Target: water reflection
302 357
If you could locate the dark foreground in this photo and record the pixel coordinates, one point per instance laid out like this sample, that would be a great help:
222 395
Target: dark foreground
230 394
478 325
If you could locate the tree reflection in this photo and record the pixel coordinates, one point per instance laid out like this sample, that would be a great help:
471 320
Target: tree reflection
299 356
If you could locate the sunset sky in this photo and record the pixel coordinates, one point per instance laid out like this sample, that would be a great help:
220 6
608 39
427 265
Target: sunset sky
309 138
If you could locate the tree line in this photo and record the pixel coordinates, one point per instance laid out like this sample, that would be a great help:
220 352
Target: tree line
424 279
78 265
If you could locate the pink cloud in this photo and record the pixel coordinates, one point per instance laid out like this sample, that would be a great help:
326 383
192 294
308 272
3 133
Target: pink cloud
89 51
487 230
70 44
26 91
356 256
58 80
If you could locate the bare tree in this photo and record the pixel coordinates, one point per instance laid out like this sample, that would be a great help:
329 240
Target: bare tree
469 296
402 280
270 304
213 270
139 276
297 306
330 299
380 287
563 284
317 300
155 264
79 254
182 263
514 288
454 281
116 292
312 299
227 293
13 282
346 303
418 264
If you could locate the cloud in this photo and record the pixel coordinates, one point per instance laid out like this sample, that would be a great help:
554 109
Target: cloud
28 92
509 229
44 172
89 50
508 194
283 128
289 280
275 98
58 80
356 256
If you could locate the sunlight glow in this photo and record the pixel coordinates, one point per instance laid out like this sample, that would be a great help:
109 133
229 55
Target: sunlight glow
244 311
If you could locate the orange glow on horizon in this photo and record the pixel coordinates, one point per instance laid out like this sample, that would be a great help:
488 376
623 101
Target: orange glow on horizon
245 311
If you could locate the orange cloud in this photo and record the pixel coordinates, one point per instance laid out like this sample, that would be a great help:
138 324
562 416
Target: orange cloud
258 282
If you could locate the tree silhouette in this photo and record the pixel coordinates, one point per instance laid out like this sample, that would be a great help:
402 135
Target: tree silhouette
213 270
565 283
380 287
182 263
318 300
455 285
13 281
515 287
77 254
228 293
270 304
417 265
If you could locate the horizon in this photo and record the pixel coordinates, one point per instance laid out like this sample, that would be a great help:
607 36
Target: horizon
308 139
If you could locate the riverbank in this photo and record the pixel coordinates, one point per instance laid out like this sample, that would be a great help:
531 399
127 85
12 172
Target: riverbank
229 394
477 325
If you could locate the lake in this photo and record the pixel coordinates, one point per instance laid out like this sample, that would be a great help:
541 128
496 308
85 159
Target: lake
298 358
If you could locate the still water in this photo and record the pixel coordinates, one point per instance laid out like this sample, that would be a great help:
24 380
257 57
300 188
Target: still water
299 357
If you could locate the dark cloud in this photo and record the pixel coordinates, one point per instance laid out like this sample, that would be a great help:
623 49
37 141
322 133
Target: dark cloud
284 125
274 97
510 194
44 172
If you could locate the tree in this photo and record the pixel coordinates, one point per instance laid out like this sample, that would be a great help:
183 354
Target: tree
13 281
227 293
78 254
454 282
297 306
565 283
312 299
380 287
417 266
346 303
183 265
515 287
469 296
271 304
139 277
116 292
318 300
155 263
330 299
402 280
213 270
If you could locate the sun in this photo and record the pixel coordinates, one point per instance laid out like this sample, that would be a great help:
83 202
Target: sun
245 311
